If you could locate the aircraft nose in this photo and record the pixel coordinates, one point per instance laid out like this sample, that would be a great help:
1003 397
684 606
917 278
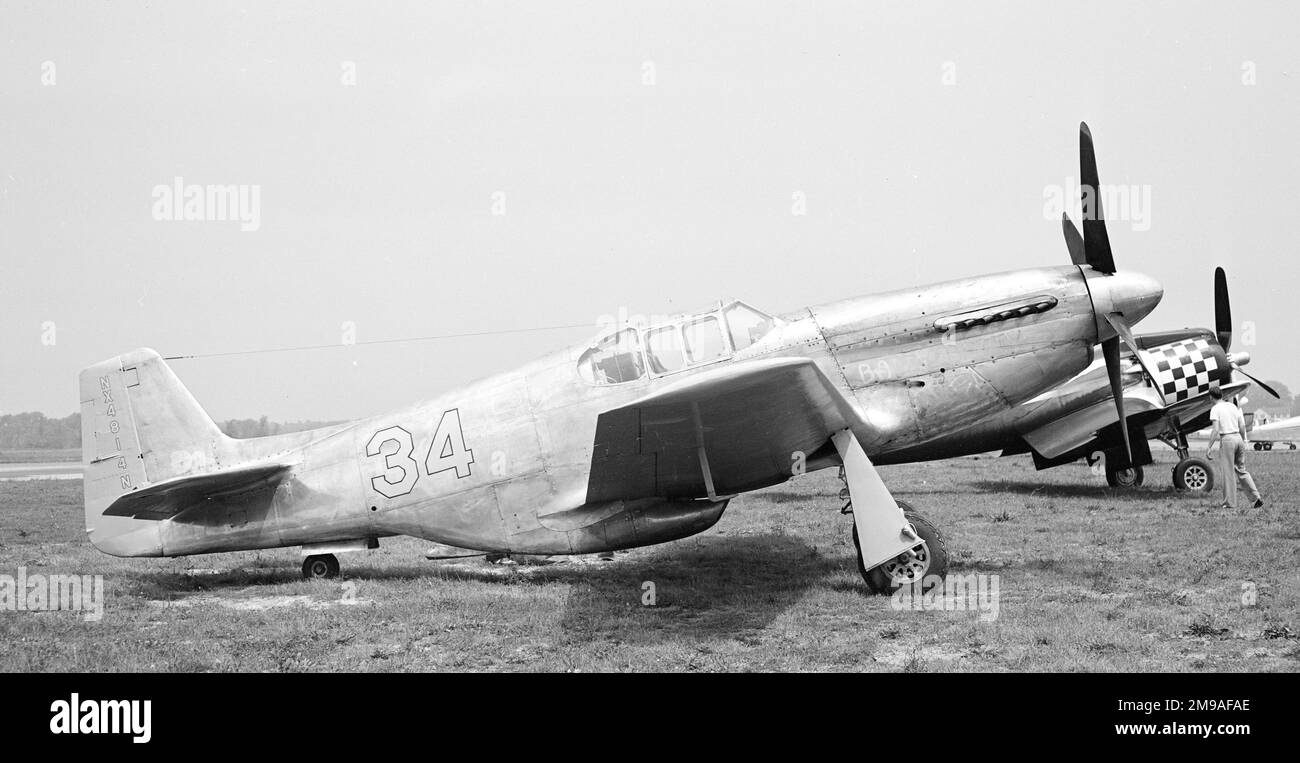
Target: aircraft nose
1139 296
1133 294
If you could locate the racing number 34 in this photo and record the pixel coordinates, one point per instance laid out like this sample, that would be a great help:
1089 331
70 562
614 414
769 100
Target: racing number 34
397 447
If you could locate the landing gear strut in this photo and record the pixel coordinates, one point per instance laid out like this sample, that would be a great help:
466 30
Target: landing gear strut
320 566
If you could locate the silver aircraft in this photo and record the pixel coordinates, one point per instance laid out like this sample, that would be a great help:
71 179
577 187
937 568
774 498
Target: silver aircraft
640 437
1276 434
1165 377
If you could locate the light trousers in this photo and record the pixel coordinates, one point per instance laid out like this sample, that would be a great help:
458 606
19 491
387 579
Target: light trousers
1232 455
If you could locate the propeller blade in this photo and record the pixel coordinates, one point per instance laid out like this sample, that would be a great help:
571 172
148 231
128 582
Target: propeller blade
1258 383
1073 241
1126 335
1222 309
1110 351
1095 240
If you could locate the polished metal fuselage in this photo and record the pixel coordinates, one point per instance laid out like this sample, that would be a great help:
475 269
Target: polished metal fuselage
921 387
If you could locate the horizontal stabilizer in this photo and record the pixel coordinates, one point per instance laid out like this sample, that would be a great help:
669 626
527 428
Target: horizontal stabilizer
163 500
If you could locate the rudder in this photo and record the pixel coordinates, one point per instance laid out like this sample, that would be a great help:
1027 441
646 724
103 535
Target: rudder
139 426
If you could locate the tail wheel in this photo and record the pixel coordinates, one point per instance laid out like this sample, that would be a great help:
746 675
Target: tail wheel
1194 474
1130 477
320 566
929 558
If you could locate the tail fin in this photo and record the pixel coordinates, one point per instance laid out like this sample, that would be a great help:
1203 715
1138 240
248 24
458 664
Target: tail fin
139 427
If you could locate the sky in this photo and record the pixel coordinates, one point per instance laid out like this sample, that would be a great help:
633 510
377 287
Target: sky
424 169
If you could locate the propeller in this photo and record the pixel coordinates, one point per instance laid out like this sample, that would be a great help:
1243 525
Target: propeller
1110 351
1125 332
1073 241
1258 383
1096 243
1222 309
1092 249
1223 326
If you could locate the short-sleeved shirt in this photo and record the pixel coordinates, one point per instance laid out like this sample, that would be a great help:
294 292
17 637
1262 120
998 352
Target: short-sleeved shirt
1228 418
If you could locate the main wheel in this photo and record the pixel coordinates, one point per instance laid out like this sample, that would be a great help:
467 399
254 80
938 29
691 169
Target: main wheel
929 558
320 566
1258 446
1194 474
1130 477
1268 446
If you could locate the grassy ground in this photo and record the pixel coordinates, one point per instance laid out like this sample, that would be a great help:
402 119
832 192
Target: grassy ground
1089 579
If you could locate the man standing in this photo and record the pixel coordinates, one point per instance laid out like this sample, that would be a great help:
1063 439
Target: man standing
1230 429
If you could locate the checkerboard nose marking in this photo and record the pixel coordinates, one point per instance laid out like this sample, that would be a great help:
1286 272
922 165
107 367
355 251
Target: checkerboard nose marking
1186 369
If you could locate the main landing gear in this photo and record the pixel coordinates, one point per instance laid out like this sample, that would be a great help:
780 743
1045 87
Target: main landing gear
929 557
1129 477
320 566
1191 473
912 549
1194 474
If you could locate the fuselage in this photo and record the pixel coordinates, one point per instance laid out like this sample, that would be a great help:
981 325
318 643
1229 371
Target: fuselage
502 464
1084 403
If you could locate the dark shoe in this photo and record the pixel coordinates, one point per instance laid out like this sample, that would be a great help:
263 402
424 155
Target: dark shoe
1259 504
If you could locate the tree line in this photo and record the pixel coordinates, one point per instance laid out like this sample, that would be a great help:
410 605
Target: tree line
36 431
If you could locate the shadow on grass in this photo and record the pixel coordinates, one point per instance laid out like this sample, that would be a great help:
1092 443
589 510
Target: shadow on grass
1045 489
790 496
720 587
715 586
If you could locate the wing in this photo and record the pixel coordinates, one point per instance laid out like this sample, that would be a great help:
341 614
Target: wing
1077 428
736 428
169 498
1081 428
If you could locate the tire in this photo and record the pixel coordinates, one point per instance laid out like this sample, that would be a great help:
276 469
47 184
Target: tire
1194 474
1258 446
1268 446
879 581
320 567
1126 478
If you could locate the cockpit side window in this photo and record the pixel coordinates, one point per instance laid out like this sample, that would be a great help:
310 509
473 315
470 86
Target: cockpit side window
704 340
746 325
614 360
664 350
676 345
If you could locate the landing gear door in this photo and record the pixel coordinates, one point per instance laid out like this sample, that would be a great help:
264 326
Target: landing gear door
883 530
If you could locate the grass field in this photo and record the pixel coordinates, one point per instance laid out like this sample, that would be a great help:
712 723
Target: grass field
1089 579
